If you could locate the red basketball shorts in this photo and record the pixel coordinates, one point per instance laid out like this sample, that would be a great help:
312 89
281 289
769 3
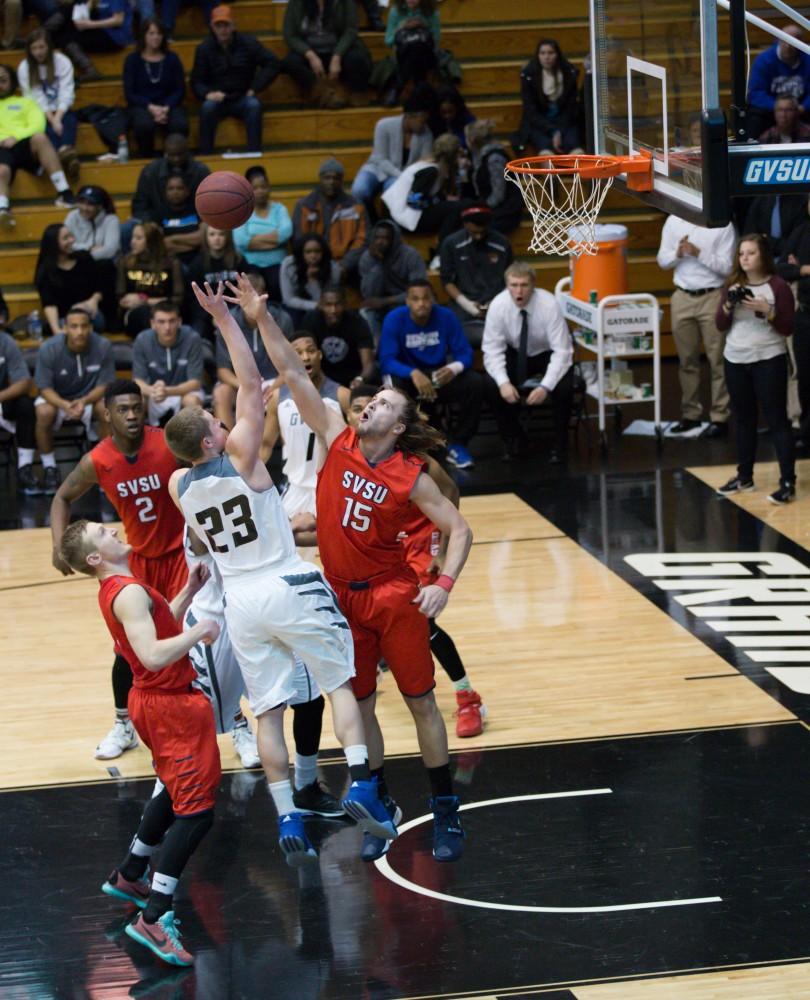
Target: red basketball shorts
419 554
178 727
167 574
385 622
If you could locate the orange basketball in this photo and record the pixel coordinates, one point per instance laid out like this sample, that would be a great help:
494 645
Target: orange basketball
224 200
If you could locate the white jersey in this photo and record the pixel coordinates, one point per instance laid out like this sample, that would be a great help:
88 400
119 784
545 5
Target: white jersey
304 451
243 530
209 601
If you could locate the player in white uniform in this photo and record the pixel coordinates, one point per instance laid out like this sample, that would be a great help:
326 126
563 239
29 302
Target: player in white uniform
304 450
277 605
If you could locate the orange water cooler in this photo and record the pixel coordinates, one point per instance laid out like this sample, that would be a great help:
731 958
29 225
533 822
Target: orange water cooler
604 272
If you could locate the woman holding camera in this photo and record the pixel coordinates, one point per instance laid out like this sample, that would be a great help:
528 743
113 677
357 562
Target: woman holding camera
757 311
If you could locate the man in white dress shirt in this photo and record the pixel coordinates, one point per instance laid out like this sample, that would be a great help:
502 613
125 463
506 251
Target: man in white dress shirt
702 260
527 354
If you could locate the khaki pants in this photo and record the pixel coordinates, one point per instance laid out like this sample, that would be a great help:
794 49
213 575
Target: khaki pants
692 326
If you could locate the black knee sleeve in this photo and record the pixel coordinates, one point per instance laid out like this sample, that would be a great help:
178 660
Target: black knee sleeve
444 649
182 840
121 681
156 820
307 723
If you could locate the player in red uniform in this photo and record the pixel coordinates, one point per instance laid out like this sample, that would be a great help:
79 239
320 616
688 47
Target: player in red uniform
132 467
173 719
366 488
424 553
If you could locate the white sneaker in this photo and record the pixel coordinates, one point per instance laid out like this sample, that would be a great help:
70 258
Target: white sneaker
244 743
121 737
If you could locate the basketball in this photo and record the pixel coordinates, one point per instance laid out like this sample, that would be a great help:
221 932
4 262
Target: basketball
224 200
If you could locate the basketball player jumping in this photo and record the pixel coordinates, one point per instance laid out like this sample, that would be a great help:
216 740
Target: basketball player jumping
366 489
277 605
173 719
133 467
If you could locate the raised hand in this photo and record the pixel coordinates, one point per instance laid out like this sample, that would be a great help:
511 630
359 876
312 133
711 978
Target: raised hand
214 303
244 295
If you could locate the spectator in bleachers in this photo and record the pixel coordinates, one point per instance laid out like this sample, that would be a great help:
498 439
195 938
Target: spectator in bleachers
12 12
17 411
788 126
94 225
425 196
149 202
548 89
146 275
182 233
775 216
399 141
373 15
413 32
473 264
780 69
424 351
216 261
225 389
263 238
451 115
94 26
796 268
388 267
47 77
343 337
230 69
23 144
699 259
73 370
167 363
489 186
526 338
324 48
154 88
335 215
66 278
305 273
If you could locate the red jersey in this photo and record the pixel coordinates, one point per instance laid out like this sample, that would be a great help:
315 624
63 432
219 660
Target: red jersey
176 675
421 540
362 509
138 489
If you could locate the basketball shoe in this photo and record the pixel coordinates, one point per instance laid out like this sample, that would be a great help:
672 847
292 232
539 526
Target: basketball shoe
120 738
162 938
374 847
314 800
294 842
363 804
470 714
244 743
136 892
448 833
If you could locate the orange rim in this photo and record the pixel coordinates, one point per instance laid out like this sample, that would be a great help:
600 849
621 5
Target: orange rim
587 165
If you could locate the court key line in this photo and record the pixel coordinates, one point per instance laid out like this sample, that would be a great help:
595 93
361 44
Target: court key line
384 867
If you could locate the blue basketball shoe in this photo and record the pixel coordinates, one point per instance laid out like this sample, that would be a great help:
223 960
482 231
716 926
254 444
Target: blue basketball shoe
448 833
364 805
293 841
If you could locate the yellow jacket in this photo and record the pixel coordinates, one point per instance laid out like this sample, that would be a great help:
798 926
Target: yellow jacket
20 117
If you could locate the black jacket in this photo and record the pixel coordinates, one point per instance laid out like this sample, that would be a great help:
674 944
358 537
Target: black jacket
245 65
792 213
798 244
149 203
535 102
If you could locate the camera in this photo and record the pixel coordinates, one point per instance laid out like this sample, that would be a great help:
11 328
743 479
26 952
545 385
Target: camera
736 295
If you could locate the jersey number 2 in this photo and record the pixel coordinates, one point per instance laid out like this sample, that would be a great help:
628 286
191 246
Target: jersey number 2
145 509
210 520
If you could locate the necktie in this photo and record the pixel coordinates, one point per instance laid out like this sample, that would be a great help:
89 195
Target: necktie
522 370
776 220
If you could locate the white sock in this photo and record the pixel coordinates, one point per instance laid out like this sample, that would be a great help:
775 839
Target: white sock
48 461
463 684
164 883
4 202
306 770
25 456
356 755
281 792
59 181
141 850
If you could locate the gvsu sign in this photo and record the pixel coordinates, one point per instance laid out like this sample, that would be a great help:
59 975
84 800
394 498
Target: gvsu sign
762 171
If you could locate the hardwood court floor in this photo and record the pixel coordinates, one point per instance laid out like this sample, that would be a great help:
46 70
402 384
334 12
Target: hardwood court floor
559 647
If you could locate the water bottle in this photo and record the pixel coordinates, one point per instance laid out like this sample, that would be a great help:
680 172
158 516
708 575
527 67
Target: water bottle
123 149
35 326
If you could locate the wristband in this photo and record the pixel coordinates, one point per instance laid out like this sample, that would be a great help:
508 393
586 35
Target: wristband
445 582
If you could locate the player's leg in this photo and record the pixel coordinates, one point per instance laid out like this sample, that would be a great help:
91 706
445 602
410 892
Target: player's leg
309 796
122 736
374 847
471 712
127 880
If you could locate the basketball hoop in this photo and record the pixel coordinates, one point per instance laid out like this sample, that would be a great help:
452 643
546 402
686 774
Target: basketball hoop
564 195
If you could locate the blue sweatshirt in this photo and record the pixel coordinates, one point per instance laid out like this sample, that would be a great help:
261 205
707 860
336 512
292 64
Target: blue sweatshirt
405 346
771 78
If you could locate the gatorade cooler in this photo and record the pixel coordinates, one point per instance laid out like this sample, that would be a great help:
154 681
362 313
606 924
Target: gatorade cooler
605 271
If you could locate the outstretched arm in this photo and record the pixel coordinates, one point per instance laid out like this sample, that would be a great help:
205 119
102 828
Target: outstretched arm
245 439
289 366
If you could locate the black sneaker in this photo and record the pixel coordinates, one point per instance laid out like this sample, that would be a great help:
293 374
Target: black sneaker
27 482
51 480
735 485
314 800
785 493
683 426
716 430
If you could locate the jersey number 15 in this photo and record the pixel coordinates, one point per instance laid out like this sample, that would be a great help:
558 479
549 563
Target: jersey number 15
237 511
